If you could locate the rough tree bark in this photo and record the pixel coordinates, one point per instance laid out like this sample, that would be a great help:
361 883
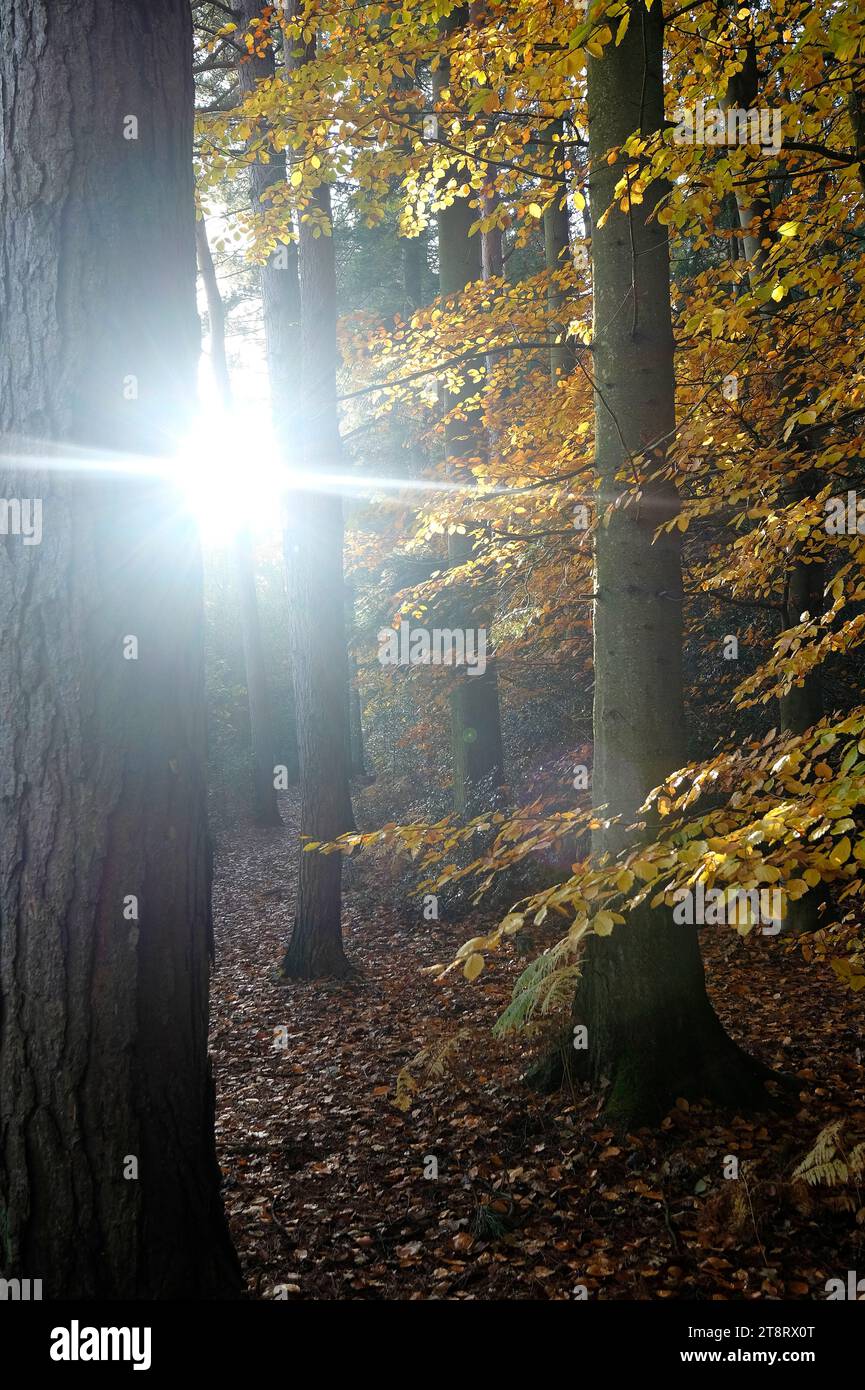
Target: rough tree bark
103 1000
652 1032
476 731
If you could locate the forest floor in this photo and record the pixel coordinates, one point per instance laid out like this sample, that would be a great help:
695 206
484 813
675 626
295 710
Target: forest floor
325 1181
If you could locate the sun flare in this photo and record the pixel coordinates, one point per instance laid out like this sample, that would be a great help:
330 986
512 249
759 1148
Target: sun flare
229 473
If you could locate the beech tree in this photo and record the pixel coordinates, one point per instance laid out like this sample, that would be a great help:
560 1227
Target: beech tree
316 596
261 726
651 1028
644 468
278 271
109 1185
476 733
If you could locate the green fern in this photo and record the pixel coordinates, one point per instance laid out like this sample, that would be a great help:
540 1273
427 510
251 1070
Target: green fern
544 987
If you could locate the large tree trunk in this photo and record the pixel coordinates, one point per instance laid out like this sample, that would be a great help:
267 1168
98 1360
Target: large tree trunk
109 1186
316 599
476 731
651 1029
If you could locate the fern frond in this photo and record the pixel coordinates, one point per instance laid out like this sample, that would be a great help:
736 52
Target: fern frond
826 1164
543 987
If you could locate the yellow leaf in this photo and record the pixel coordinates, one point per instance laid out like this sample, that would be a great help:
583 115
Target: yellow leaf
473 966
841 852
535 210
645 870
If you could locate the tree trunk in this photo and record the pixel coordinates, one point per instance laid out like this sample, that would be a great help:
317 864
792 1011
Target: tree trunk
262 740
261 729
358 760
280 291
109 1186
492 243
803 705
557 253
652 1032
413 266
476 732
804 581
316 600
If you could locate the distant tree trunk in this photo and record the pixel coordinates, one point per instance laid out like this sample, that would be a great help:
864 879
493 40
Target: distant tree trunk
651 1028
215 314
280 292
316 599
557 255
414 264
856 108
358 760
261 728
476 732
492 244
109 1186
413 249
262 740
354 729
804 579
280 286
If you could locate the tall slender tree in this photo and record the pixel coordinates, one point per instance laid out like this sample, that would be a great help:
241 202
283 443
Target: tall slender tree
476 731
280 289
316 597
109 1185
804 575
651 1028
557 249
261 727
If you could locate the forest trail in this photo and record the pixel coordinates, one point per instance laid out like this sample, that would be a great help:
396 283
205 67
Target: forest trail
324 1177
